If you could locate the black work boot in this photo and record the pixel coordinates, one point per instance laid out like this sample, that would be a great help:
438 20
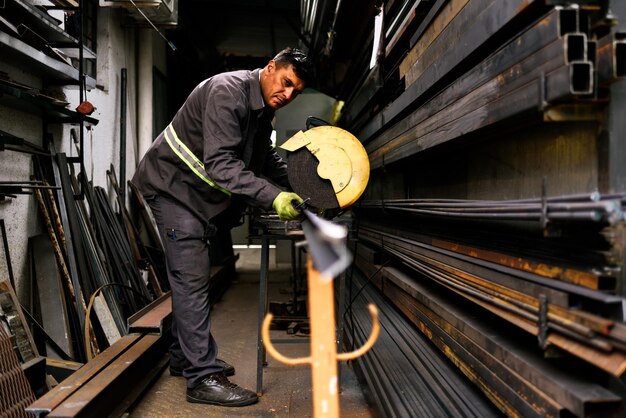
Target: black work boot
216 389
229 370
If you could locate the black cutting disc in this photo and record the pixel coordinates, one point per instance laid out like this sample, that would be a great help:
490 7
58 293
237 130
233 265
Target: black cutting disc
302 171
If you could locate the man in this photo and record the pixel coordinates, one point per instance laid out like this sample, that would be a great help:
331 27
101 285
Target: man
211 155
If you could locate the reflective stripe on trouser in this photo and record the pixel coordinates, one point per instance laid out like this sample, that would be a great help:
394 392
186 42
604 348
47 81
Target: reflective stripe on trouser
184 153
188 266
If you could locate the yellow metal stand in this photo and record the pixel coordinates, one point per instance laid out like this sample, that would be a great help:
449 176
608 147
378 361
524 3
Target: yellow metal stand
324 356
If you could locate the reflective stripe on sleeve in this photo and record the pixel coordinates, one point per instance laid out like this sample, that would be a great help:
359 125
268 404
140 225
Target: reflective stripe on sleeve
185 154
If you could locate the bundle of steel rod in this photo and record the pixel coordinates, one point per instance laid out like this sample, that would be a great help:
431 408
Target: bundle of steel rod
580 208
402 358
576 318
503 363
101 282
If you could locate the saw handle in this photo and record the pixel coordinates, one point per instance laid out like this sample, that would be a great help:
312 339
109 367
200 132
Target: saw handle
300 206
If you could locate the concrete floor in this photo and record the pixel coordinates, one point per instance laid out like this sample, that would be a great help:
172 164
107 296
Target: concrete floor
286 389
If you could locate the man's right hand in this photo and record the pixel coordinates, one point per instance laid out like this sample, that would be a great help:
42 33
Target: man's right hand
284 207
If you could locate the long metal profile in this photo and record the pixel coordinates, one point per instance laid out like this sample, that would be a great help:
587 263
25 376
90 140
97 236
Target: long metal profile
74 252
611 58
497 353
153 318
557 291
54 398
576 332
539 44
514 91
123 381
472 27
546 31
405 376
524 99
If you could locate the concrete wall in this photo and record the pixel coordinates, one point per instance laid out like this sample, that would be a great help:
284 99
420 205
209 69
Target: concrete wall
117 48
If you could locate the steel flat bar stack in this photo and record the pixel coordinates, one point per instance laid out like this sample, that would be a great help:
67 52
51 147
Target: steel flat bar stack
515 288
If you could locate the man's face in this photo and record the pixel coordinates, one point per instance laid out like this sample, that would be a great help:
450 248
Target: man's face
280 85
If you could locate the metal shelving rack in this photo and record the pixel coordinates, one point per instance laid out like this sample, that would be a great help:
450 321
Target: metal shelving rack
43 34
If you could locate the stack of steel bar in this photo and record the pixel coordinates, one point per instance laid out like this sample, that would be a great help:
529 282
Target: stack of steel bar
545 64
496 243
408 378
607 210
519 381
456 279
99 275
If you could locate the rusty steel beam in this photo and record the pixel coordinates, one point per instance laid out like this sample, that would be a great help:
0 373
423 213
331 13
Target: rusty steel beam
153 318
119 373
122 381
60 393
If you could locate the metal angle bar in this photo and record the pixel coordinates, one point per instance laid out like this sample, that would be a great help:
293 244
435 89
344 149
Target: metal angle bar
470 29
75 261
155 317
547 30
106 264
481 268
524 99
397 29
511 67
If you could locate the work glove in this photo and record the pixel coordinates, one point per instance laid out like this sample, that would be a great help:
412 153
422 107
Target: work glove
283 206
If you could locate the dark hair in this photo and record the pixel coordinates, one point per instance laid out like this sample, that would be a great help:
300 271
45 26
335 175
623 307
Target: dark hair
302 65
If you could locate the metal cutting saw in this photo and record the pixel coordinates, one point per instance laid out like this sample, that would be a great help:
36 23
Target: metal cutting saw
327 166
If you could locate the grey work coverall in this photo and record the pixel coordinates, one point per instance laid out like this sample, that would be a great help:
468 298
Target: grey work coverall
226 125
